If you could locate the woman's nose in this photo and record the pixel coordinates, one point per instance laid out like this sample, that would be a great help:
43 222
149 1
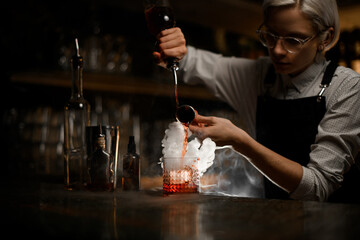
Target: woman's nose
279 48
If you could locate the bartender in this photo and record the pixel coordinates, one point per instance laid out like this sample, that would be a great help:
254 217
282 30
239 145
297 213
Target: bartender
300 110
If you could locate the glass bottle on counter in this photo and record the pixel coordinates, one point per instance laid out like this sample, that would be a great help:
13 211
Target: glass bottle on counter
101 166
131 167
77 117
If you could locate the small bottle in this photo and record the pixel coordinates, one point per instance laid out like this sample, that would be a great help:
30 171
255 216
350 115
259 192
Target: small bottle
131 167
100 167
77 118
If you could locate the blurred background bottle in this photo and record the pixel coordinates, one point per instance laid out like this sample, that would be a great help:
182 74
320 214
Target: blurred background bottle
77 117
131 167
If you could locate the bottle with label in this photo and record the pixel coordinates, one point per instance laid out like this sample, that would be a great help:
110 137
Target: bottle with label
100 166
77 117
131 167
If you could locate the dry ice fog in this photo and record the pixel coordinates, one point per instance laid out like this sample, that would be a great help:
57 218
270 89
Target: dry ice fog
223 171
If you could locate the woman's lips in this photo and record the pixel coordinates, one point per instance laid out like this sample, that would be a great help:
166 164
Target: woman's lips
282 67
281 63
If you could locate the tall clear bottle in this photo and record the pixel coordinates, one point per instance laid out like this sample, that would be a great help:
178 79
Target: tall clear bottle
77 118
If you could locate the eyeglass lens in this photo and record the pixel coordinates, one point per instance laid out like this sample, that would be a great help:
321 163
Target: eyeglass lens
289 43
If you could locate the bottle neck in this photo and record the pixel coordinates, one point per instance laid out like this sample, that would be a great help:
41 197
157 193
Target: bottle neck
131 145
77 77
101 142
132 150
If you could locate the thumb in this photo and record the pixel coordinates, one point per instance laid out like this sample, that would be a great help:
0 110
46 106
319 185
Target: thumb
157 57
198 131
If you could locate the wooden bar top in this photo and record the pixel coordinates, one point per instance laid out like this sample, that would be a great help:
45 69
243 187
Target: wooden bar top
47 210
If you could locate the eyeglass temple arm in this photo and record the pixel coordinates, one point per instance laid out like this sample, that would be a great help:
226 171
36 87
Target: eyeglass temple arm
261 25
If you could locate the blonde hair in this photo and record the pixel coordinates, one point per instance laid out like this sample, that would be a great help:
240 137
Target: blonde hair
323 14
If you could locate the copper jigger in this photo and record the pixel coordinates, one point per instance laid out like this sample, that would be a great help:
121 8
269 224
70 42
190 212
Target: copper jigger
185 114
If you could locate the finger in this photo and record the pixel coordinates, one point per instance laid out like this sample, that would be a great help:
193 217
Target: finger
173 48
198 131
169 31
178 53
178 43
203 119
178 37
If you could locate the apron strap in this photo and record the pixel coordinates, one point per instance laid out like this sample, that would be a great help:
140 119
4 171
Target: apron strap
326 81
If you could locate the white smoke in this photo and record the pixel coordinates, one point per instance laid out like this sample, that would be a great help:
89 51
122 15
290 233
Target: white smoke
232 175
173 141
223 171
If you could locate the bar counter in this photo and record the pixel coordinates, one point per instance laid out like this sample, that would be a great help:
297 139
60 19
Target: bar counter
45 210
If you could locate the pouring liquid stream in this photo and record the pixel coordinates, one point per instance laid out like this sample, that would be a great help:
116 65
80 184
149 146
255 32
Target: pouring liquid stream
159 16
183 152
174 69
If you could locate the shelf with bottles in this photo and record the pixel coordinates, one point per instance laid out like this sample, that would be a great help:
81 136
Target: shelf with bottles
116 83
347 51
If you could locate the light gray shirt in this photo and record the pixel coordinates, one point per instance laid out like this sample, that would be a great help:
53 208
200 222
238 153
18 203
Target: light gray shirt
239 82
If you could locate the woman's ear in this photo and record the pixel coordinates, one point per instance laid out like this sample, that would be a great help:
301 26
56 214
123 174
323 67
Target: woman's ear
330 33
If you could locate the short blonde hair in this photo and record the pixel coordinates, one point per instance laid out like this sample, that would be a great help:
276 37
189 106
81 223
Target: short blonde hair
323 13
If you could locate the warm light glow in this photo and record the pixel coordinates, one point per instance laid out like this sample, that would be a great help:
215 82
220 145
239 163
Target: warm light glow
355 65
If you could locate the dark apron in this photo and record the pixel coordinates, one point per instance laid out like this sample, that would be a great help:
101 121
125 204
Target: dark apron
289 127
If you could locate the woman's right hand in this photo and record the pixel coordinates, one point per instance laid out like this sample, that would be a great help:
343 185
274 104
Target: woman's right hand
172 44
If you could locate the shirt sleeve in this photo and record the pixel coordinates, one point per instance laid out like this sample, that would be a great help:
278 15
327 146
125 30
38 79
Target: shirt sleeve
233 80
337 142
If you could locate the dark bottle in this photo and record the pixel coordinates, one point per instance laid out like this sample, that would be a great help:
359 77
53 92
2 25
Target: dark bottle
100 167
131 167
159 16
77 117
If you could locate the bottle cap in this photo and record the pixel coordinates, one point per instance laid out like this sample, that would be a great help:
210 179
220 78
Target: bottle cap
100 139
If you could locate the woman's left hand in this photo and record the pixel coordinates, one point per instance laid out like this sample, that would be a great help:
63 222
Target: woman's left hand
284 172
222 131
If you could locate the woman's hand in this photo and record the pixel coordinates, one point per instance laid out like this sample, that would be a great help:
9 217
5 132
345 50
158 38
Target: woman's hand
222 131
172 44
284 172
